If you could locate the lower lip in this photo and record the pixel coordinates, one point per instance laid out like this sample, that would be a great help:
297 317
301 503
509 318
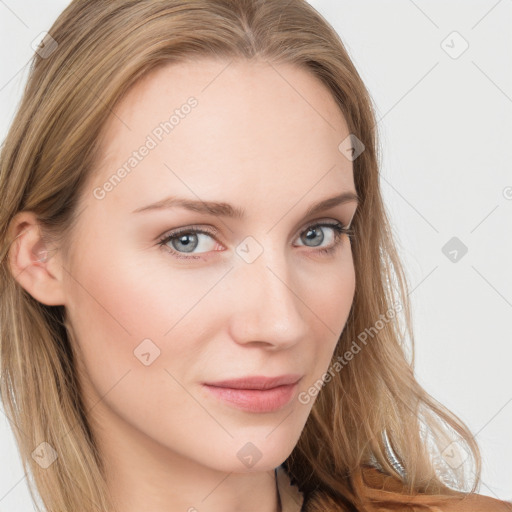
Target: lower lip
256 400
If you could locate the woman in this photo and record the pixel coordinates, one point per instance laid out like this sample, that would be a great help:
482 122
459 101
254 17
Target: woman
170 338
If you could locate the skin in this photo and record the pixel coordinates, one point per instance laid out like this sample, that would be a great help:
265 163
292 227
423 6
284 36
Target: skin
263 138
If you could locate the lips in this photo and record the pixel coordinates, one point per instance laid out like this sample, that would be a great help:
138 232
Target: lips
255 394
256 382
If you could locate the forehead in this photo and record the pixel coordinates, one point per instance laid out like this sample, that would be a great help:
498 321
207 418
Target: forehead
215 128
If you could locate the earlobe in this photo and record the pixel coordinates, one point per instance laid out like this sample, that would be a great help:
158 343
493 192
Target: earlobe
34 266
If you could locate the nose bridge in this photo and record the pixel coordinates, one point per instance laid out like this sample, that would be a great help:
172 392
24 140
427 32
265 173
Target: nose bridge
267 307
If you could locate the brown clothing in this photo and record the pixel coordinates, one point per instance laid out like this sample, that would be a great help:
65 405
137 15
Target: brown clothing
381 486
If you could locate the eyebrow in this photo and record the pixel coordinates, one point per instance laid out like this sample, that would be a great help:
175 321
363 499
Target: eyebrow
226 210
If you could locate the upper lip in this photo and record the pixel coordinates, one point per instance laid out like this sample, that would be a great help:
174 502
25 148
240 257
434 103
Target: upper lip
256 382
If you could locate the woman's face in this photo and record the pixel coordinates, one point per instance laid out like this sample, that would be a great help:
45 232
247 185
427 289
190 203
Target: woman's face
253 294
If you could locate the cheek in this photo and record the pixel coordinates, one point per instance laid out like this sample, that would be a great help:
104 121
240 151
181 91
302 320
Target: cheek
329 291
329 296
124 315
133 295
139 339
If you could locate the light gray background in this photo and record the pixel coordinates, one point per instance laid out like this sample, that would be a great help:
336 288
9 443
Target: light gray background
446 126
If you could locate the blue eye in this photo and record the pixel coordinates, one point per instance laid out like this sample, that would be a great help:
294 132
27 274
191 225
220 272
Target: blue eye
186 240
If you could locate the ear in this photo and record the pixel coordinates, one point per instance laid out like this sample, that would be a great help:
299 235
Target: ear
35 266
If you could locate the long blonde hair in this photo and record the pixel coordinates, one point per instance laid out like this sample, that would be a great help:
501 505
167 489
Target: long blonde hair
370 413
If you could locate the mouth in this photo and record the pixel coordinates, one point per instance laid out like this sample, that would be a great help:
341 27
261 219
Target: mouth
256 394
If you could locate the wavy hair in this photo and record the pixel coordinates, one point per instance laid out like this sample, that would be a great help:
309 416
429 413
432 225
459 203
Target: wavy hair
371 422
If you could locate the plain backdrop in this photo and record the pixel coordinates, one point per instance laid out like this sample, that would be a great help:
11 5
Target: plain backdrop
439 74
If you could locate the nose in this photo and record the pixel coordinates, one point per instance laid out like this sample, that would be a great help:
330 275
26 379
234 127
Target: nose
267 303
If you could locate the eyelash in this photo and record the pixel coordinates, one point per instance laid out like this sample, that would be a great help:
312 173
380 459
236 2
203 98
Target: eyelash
339 230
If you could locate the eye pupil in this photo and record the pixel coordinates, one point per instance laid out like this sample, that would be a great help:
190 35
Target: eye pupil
185 240
315 232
